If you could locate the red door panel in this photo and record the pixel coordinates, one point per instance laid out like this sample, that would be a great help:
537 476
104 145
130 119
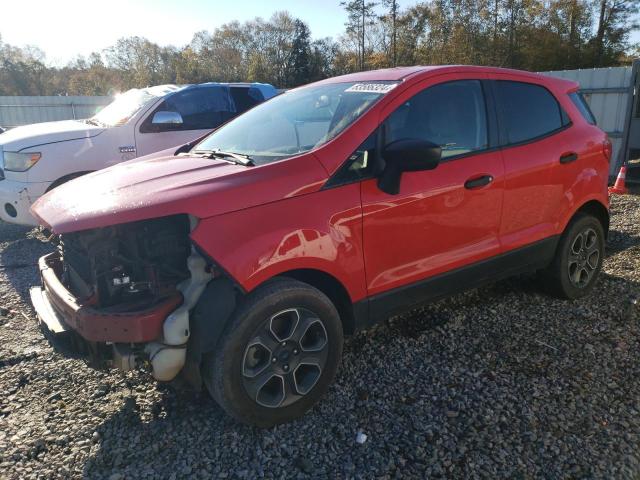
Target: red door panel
434 224
541 192
533 192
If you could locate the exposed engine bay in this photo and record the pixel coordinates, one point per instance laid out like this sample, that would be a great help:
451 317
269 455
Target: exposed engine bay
124 294
131 264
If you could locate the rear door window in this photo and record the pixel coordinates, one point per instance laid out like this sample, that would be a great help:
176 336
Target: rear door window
527 111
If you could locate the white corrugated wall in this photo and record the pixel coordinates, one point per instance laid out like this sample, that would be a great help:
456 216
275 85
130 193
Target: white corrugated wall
19 110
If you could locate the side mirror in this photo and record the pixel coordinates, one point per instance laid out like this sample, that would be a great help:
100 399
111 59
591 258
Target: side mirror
406 155
166 118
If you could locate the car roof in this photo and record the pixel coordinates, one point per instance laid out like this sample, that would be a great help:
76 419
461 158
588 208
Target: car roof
384 74
163 90
420 72
230 84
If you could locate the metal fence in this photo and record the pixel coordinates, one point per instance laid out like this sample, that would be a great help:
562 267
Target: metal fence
16 111
610 94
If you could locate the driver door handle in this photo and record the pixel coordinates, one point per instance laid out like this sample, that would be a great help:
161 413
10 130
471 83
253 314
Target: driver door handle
478 182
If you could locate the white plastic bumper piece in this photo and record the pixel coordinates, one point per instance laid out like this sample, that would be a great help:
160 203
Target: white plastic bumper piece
16 198
168 358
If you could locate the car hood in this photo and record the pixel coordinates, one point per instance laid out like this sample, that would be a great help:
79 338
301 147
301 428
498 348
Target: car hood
38 134
156 187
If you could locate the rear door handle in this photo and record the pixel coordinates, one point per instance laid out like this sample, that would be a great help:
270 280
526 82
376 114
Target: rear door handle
478 182
568 157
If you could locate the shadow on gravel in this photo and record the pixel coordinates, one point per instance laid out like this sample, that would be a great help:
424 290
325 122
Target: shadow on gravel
436 315
19 257
620 241
158 429
431 317
9 362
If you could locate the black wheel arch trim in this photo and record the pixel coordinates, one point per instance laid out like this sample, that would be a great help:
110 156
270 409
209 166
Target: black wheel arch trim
207 322
596 209
66 178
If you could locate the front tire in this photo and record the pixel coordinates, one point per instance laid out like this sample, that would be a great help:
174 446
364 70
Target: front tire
278 354
578 259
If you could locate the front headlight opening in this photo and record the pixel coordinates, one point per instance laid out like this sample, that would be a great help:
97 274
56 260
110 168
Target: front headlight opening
20 161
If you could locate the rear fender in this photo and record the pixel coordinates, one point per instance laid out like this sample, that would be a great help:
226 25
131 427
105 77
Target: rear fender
594 206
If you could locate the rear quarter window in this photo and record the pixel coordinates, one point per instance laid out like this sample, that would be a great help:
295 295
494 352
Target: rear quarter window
246 97
582 105
527 111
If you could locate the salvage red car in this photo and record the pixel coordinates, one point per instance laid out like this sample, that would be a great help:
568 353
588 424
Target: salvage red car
241 261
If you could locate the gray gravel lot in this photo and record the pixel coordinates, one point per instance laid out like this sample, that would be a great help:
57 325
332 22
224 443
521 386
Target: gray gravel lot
503 381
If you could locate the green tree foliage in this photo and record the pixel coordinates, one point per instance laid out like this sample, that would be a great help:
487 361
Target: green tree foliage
299 69
614 20
140 62
527 34
22 70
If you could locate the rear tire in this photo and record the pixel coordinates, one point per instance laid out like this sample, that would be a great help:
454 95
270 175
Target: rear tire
278 354
578 259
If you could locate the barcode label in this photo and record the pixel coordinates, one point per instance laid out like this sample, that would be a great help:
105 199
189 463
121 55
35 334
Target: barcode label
381 88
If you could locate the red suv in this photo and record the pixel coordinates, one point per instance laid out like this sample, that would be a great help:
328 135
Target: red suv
242 259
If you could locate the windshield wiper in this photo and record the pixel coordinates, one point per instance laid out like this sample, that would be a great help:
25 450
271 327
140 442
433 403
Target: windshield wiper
92 121
232 157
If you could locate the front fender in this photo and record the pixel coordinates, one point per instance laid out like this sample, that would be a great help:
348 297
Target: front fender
320 231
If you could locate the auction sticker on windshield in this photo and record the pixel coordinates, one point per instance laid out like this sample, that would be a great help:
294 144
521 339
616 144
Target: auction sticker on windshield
371 87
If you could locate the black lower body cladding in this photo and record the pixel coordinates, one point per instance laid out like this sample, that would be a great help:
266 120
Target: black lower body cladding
207 322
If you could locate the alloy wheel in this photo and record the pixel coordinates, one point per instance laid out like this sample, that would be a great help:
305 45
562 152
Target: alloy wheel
285 358
584 257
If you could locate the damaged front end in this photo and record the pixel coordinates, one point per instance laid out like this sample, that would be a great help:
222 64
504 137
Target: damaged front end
124 293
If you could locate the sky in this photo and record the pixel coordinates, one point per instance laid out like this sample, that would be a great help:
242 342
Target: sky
64 29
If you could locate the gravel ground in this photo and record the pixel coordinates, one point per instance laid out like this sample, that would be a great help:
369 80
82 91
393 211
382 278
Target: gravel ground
498 382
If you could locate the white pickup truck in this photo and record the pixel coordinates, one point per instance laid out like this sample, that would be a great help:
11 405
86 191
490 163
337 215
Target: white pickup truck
37 158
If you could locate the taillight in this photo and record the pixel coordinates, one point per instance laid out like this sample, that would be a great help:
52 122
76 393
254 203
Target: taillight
607 149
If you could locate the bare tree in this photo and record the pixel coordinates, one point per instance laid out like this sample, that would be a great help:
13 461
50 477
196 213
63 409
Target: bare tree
360 14
392 12
614 23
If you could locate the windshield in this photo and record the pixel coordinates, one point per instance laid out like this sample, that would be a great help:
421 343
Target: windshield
125 106
295 122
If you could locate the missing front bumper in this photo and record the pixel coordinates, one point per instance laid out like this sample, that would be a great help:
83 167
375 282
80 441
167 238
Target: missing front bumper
47 315
61 311
63 338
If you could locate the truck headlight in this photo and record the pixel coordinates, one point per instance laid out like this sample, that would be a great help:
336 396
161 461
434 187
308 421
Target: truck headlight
20 161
